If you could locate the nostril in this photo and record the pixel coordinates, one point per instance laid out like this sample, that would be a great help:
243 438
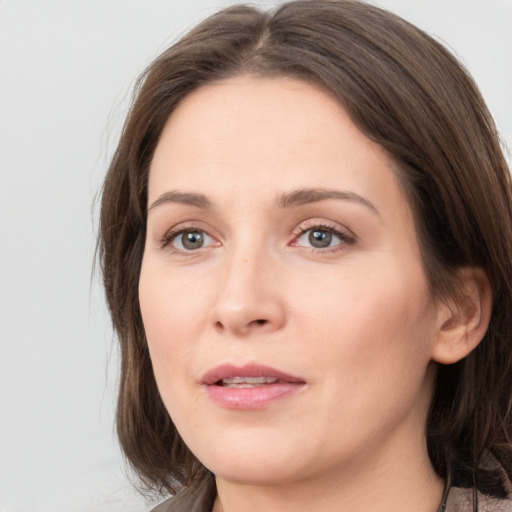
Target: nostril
240 326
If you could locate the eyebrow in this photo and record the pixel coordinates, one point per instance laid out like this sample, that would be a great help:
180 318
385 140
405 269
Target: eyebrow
295 198
189 198
314 195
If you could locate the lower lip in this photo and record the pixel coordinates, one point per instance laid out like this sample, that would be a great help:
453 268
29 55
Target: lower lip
257 397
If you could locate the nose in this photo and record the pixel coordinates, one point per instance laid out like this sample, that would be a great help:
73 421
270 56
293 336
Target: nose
250 298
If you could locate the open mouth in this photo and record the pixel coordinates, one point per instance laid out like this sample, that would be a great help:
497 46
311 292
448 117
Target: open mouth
249 375
246 382
249 387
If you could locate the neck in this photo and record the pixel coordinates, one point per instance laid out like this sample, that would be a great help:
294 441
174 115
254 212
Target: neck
396 484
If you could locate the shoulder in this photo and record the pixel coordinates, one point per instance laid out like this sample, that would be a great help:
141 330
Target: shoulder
497 506
462 500
493 494
165 506
181 503
199 497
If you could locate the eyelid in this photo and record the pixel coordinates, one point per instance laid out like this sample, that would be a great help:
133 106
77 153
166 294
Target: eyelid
171 234
346 236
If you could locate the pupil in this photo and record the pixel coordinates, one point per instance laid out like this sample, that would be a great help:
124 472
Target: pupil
192 240
320 239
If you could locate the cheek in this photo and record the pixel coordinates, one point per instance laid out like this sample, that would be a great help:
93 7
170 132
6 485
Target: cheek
369 343
378 318
171 319
173 303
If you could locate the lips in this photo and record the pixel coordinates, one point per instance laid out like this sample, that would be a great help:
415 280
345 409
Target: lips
250 386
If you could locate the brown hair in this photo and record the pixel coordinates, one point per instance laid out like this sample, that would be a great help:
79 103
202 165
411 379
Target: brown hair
407 93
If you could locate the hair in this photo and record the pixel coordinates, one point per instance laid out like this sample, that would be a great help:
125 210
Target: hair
404 91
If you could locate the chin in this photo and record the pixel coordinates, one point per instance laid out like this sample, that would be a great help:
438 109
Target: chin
257 473
251 463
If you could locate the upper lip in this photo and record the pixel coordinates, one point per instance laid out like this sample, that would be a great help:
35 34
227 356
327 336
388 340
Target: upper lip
226 371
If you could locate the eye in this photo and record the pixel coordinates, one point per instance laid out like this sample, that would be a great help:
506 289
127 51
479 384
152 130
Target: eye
318 238
187 240
323 237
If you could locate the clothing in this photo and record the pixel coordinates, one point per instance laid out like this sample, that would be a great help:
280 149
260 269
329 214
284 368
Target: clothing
184 502
459 496
461 500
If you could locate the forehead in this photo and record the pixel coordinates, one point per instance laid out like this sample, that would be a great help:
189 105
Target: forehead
262 137
256 125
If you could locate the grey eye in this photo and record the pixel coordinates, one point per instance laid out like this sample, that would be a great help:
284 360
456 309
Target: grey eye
320 238
191 240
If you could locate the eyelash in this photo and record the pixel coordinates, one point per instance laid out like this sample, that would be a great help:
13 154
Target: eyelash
174 233
345 237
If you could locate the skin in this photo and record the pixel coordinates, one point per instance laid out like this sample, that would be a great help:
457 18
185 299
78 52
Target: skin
354 319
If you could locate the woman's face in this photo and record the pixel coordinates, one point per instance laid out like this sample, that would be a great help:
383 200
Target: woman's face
286 309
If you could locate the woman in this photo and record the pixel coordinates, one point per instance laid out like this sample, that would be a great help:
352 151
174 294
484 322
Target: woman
305 240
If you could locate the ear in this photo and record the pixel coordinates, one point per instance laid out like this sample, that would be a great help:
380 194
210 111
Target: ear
463 321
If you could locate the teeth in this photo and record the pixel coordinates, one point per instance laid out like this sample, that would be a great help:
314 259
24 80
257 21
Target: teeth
247 382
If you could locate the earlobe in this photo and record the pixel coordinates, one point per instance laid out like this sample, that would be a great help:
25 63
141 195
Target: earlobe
463 321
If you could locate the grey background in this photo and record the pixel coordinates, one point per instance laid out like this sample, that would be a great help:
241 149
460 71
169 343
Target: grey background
66 71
